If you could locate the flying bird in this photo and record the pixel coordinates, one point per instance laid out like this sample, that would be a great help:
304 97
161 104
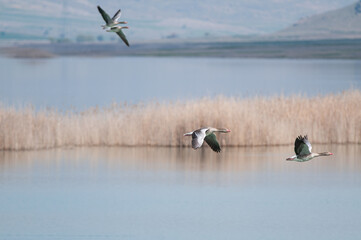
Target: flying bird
118 30
206 134
303 150
110 22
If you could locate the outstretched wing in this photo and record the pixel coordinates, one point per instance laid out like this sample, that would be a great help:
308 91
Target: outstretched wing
122 36
197 139
305 140
211 140
116 16
302 146
105 16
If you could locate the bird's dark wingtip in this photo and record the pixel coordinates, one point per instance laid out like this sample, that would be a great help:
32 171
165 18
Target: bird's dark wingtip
301 138
217 150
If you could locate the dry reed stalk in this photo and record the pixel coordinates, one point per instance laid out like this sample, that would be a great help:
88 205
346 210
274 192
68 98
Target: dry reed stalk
334 118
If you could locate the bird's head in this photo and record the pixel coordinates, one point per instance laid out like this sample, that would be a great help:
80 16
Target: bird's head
326 154
224 130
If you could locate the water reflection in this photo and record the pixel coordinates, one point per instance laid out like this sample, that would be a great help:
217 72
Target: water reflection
179 193
231 159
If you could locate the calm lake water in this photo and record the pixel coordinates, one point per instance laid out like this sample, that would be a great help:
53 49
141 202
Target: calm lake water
171 193
86 82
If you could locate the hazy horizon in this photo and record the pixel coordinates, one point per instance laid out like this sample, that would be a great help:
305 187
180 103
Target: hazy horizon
155 19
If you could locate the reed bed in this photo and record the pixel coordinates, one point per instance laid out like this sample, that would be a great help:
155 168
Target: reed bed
256 121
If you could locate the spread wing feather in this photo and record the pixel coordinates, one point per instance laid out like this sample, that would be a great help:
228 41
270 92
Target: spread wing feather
122 36
211 140
302 146
197 139
116 16
105 16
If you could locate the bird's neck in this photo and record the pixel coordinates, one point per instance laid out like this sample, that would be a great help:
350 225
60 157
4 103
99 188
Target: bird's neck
320 154
218 130
324 154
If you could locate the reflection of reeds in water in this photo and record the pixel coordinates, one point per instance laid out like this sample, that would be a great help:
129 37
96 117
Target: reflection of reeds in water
242 160
334 118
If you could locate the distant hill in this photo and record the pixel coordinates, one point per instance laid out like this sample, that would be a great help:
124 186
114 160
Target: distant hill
79 20
337 24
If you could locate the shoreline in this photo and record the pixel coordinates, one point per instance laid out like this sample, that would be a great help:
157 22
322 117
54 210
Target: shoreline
302 49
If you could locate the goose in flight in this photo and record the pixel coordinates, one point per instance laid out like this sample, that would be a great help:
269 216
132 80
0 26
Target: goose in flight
303 150
206 134
110 22
118 30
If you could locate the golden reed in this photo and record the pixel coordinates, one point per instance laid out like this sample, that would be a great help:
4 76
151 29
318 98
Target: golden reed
334 118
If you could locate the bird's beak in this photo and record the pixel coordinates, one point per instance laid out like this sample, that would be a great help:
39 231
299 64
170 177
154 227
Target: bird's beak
228 130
